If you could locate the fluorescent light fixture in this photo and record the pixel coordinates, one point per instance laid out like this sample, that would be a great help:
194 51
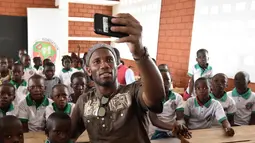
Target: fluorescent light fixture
81 19
91 39
96 2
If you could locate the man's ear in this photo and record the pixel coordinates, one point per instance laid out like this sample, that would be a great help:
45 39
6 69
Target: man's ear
88 69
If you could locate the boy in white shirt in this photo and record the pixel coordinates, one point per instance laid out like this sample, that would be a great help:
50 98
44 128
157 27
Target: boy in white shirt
173 110
38 65
201 111
50 79
244 99
28 69
218 84
19 83
67 71
59 95
32 108
7 95
201 69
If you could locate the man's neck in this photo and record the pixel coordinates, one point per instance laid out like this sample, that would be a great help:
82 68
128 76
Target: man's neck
107 91
36 67
4 73
19 81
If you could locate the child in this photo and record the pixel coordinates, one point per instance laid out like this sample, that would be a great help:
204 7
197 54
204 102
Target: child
66 72
38 65
59 95
7 95
5 74
50 79
79 84
58 127
244 99
201 111
79 65
19 83
173 109
28 70
11 130
21 53
32 108
201 69
45 61
219 83
10 63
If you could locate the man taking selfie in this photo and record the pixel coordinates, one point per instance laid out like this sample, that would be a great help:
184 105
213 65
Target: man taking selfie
116 113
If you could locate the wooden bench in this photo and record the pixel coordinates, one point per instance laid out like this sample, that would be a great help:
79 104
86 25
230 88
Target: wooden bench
243 134
40 137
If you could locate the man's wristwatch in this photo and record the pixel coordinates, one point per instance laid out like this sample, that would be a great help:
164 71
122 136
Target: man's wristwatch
144 56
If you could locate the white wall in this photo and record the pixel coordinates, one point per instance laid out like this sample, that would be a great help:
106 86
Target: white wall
148 13
48 24
227 30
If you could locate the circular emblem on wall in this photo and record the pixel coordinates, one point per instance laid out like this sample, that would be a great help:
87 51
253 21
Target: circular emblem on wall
46 49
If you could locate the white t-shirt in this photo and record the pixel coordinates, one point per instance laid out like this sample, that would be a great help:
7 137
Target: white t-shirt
39 71
227 102
11 111
245 106
196 71
173 104
203 116
65 77
28 112
28 72
53 108
20 91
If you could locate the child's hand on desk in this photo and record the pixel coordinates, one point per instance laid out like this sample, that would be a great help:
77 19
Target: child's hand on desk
230 132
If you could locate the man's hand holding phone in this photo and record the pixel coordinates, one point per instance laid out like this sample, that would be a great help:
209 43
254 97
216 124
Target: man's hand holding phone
133 28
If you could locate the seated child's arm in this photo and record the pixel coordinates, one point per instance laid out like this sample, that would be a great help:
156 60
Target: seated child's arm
187 113
77 122
23 116
221 117
191 85
252 120
231 112
158 123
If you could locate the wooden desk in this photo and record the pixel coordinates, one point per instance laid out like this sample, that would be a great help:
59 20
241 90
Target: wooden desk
243 134
40 137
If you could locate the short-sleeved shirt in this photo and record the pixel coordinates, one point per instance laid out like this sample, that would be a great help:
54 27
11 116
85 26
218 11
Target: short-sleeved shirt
125 120
79 70
53 108
173 104
39 71
65 77
227 102
196 71
28 72
20 91
50 84
203 116
32 114
11 111
245 105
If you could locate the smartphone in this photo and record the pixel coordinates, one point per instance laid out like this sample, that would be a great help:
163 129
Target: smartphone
103 24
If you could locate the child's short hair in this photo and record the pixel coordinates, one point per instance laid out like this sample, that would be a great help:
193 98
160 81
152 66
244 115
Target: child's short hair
79 74
8 85
7 119
59 85
202 51
201 79
55 117
49 64
222 74
163 68
46 60
18 64
66 57
246 75
35 77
